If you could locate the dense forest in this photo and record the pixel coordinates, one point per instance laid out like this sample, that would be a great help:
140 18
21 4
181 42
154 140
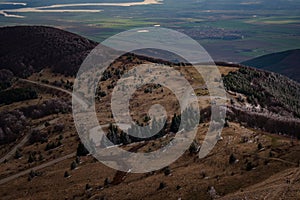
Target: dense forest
17 94
28 49
272 91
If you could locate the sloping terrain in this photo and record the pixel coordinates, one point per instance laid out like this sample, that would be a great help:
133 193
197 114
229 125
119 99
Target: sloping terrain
286 63
28 49
258 150
283 185
271 99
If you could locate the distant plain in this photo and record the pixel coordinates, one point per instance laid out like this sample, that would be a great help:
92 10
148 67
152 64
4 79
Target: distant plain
229 30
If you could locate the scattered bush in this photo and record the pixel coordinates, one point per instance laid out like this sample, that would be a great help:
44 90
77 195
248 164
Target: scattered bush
259 146
232 159
87 186
52 145
17 154
81 150
162 185
249 166
167 171
66 174
194 147
37 136
107 182
73 165
31 158
33 174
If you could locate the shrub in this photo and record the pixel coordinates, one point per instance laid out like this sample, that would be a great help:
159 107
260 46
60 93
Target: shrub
18 154
37 136
87 187
249 166
81 150
167 171
73 165
31 158
52 145
194 147
162 185
106 182
232 159
259 146
66 174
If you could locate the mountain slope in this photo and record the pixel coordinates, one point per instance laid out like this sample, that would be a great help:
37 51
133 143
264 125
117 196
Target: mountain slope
269 98
243 161
283 185
266 89
286 63
28 49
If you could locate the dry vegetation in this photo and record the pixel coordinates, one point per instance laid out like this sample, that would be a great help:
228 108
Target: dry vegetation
245 160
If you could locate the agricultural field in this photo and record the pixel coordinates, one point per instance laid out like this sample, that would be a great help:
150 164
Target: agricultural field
229 30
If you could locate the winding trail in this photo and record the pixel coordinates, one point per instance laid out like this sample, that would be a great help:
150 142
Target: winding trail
23 142
14 149
76 98
26 137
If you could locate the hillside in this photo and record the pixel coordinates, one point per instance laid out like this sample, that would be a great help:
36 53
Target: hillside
28 49
265 89
286 63
41 154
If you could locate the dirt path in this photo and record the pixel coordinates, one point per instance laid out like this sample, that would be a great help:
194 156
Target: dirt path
14 149
52 162
76 98
23 142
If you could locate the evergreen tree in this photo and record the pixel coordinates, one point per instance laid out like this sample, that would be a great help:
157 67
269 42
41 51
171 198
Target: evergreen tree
232 159
81 150
175 123
87 187
259 146
124 138
106 182
167 171
73 165
18 154
66 175
113 134
162 185
31 158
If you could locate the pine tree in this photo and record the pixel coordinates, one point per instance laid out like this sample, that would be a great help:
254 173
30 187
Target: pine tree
87 187
31 158
81 150
167 171
162 185
232 159
175 123
66 175
73 165
18 154
259 146
106 182
124 138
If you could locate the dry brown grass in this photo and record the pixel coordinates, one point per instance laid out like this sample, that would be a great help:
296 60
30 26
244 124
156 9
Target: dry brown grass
185 172
186 180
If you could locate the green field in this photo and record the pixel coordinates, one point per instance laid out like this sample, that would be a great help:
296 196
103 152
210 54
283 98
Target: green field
230 30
